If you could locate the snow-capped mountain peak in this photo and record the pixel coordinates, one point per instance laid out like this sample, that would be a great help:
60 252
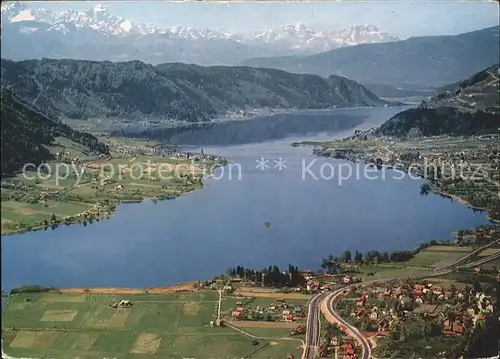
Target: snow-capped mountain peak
298 37
69 33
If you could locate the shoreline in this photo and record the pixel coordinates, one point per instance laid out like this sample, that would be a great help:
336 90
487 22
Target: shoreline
174 288
316 148
97 218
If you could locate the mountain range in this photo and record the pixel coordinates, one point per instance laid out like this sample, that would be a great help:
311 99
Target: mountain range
135 91
415 63
97 34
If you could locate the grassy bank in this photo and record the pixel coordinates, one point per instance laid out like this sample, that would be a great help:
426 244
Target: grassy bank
72 190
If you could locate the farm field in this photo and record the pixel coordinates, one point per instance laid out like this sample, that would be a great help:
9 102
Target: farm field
18 212
173 325
387 271
32 200
437 256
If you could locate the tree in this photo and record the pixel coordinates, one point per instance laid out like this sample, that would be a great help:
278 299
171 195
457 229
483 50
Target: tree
53 218
346 256
358 257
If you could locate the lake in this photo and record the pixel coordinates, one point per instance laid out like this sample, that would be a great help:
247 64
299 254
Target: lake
310 214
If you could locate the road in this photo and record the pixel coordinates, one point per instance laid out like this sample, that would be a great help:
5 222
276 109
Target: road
329 307
312 329
325 302
219 305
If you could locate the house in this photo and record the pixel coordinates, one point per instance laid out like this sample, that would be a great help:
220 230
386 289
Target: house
480 296
235 314
286 312
289 318
489 308
417 292
458 329
239 304
240 309
419 300
373 315
437 290
346 279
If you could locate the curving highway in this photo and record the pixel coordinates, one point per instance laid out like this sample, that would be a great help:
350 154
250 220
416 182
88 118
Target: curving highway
325 302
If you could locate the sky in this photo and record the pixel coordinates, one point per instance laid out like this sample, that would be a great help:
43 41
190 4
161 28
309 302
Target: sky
400 18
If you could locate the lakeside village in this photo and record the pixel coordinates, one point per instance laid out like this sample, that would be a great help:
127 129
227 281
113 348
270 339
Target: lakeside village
87 190
466 168
433 315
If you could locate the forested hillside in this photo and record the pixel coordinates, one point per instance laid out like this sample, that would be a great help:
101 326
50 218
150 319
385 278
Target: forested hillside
26 133
471 106
138 91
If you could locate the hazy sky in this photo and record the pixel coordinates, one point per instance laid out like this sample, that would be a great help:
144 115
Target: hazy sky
400 18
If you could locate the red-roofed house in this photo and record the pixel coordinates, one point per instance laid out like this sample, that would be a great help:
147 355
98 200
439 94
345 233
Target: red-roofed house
418 287
457 329
240 309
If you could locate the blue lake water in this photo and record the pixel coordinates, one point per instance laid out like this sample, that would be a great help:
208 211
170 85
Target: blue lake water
222 225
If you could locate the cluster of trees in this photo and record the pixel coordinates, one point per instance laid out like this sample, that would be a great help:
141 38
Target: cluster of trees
483 343
409 339
30 289
437 121
332 263
272 276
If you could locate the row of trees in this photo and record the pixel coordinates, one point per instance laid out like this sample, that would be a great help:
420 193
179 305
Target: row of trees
332 263
272 276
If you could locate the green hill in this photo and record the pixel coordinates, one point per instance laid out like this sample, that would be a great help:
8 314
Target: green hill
135 91
468 107
27 134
